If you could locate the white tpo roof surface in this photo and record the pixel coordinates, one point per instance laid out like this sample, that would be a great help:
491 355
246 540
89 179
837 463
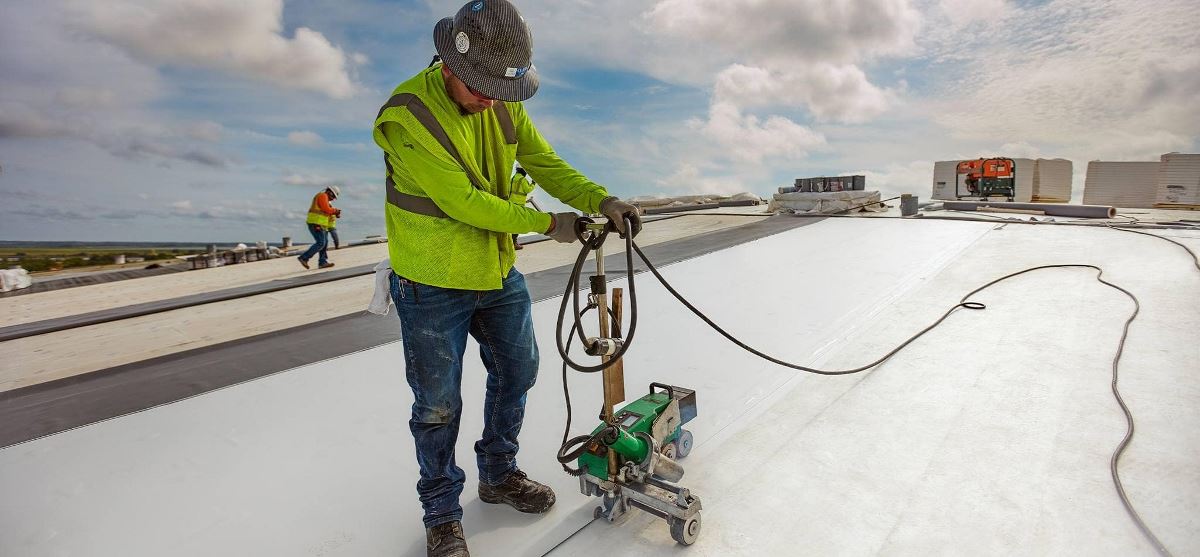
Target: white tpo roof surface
990 435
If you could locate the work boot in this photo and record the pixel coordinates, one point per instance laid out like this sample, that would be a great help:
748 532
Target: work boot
446 540
324 265
303 262
520 492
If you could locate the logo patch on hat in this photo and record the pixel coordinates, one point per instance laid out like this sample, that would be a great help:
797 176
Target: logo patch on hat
477 6
462 42
515 72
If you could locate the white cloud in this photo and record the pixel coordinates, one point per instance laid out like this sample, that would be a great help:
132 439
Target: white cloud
20 120
59 85
298 179
1020 149
749 139
131 141
87 98
304 138
691 41
1099 79
758 56
205 131
690 179
965 12
238 36
915 177
830 92
791 31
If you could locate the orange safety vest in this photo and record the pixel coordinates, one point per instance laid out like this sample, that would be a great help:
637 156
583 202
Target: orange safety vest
315 214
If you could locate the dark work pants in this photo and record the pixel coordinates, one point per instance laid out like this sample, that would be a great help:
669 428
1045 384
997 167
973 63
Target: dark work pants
434 325
320 242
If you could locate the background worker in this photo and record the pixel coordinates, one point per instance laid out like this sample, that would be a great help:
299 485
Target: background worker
449 141
319 213
333 235
520 186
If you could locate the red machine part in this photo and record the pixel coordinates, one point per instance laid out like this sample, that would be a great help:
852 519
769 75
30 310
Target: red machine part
985 168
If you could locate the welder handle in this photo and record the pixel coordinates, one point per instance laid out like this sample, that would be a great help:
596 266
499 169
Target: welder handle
670 390
585 224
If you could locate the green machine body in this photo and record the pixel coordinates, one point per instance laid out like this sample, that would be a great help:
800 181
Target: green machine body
655 419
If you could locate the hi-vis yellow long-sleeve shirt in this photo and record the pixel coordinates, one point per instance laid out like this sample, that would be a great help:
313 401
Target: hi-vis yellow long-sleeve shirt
471 249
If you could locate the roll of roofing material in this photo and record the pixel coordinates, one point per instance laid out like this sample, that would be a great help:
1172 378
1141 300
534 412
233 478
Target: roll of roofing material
739 203
1050 209
680 208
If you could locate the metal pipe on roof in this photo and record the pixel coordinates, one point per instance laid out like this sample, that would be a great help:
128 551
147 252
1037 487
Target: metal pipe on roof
1050 209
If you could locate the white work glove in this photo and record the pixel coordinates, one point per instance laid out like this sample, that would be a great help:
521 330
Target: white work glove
562 227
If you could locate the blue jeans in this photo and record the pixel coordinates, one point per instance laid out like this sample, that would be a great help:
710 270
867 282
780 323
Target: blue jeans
320 242
434 323
333 235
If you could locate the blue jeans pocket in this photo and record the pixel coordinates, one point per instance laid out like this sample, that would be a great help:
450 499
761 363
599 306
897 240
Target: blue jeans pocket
404 290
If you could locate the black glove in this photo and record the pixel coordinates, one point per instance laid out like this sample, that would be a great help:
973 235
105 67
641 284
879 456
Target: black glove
616 211
562 227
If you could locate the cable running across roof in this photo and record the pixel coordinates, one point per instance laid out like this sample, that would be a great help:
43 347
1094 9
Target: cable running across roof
595 240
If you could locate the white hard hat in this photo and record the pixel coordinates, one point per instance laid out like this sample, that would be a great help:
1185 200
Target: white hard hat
337 192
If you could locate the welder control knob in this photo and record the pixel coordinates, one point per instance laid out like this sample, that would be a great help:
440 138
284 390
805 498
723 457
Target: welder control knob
597 346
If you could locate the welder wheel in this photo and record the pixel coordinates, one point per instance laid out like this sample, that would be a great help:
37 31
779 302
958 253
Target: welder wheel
686 531
598 512
684 442
668 450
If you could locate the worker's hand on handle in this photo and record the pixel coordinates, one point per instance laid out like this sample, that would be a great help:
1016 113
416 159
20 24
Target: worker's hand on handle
562 227
617 211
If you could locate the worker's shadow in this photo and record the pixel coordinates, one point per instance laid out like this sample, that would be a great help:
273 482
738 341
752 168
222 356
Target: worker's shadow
479 518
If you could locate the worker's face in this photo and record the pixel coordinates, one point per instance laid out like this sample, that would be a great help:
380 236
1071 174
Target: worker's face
469 101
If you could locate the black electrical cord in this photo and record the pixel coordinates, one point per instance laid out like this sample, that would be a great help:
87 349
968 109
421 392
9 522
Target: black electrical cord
592 241
1195 259
961 304
584 440
581 442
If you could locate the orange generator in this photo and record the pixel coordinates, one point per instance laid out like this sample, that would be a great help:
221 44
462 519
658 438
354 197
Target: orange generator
986 178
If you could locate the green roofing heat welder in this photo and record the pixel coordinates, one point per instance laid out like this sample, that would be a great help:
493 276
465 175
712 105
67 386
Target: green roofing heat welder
629 460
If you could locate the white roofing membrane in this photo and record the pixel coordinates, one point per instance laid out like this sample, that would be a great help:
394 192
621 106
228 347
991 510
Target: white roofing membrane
991 435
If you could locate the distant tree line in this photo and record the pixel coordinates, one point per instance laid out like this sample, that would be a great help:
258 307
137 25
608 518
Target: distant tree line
40 262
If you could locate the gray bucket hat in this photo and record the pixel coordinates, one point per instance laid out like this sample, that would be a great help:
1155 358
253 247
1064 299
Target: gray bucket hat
488 46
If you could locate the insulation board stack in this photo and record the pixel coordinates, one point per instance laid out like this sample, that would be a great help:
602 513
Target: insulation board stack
1121 184
1026 169
1179 181
1052 181
830 202
944 175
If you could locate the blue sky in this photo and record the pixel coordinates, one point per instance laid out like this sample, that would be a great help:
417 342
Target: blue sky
216 120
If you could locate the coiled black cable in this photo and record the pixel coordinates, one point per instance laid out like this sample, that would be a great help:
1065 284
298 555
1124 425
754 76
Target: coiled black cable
592 241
